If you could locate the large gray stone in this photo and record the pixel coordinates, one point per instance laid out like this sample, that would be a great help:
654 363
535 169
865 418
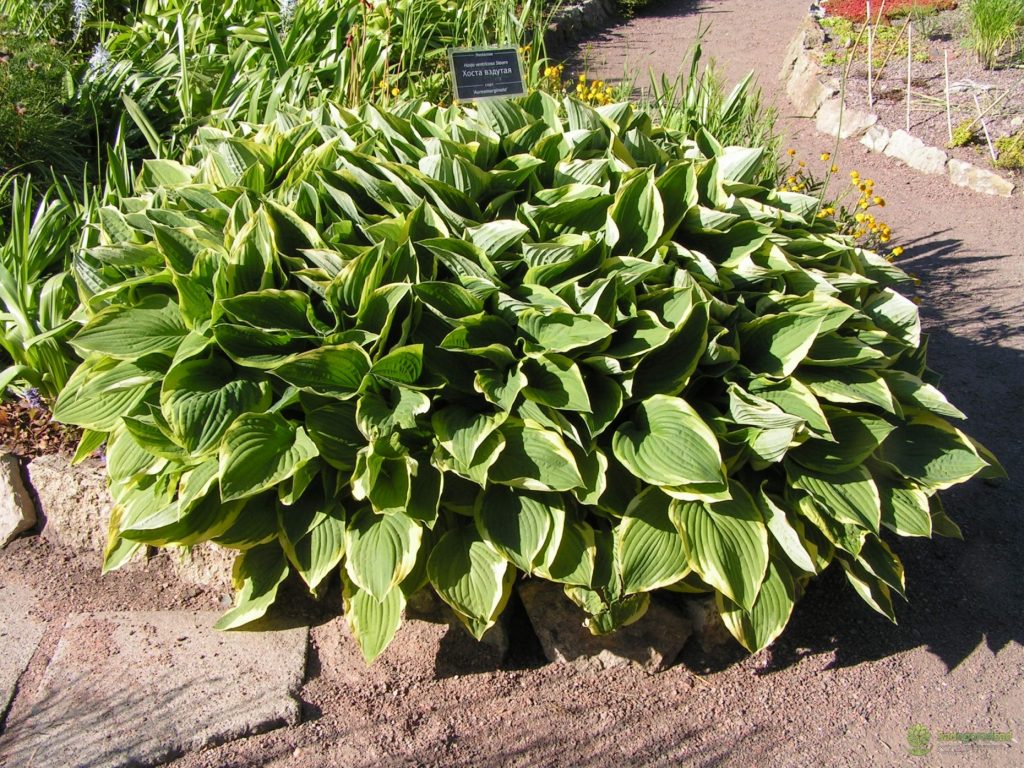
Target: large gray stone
843 122
805 87
915 153
653 642
204 564
140 689
20 633
709 630
73 502
980 180
17 512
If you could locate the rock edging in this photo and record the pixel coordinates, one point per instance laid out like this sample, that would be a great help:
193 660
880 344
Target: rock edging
816 95
573 20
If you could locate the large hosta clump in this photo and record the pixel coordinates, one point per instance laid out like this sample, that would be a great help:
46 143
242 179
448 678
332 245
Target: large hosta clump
448 346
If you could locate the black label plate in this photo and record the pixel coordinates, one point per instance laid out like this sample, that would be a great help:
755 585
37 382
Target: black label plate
486 73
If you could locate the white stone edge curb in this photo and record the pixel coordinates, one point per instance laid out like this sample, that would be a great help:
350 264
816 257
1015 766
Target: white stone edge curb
813 94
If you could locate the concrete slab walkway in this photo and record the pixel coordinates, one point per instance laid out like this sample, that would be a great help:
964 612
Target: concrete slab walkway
141 688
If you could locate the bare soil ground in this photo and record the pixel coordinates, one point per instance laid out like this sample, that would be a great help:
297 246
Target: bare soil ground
841 686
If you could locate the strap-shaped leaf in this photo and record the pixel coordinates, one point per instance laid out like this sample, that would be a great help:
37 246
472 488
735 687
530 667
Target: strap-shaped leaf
667 443
727 544
381 550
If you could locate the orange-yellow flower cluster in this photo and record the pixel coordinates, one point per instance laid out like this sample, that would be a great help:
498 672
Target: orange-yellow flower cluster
852 218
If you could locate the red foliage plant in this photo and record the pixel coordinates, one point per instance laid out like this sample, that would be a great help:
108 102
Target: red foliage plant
855 10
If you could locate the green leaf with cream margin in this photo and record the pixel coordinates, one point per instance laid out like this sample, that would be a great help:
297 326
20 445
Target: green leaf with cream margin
666 443
649 548
259 451
372 622
257 573
381 551
758 627
726 543
471 576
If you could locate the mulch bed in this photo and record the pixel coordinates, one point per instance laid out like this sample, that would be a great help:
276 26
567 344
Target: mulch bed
27 431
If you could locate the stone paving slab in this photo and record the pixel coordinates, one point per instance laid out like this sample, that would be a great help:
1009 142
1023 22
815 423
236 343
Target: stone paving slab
140 689
20 634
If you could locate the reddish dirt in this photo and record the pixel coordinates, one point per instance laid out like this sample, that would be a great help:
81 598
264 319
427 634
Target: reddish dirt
842 685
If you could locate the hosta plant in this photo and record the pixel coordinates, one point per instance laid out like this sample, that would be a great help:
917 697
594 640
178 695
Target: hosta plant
449 348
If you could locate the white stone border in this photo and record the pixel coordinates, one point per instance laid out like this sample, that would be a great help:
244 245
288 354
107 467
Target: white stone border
815 94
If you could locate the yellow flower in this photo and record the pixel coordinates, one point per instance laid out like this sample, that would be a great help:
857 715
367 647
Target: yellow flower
858 217
825 157
802 164
879 201
854 175
897 251
791 152
395 91
834 169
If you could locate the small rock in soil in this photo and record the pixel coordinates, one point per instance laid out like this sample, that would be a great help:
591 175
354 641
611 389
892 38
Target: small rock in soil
17 512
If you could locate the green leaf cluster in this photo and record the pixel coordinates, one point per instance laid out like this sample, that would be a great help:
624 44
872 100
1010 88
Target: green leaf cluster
446 346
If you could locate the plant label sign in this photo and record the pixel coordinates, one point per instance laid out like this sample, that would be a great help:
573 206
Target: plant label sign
486 73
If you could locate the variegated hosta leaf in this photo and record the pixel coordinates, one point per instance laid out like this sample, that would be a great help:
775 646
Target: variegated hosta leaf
372 622
667 443
259 451
471 576
726 543
759 626
648 545
381 550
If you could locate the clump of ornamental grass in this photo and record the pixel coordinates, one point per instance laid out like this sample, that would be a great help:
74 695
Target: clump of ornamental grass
450 348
